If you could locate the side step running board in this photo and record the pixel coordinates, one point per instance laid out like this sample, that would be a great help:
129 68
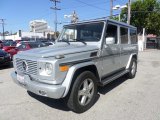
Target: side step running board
112 78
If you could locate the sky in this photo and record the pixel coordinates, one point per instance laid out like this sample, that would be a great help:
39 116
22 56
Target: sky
18 13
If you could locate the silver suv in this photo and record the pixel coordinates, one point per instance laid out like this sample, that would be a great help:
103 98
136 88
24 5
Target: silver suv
86 55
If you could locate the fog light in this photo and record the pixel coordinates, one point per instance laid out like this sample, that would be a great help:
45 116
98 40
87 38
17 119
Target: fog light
41 92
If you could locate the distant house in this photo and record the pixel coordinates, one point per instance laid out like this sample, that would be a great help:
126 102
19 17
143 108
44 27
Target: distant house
149 41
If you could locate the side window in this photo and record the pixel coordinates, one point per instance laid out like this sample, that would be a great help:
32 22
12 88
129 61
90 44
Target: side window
22 46
33 45
133 36
124 35
112 32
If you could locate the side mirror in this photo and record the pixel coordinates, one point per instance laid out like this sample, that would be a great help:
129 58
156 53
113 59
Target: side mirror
110 40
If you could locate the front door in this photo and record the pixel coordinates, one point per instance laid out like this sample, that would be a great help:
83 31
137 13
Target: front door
110 52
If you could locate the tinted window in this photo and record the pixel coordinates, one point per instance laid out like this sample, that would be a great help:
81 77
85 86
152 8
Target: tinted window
124 35
9 43
133 36
112 32
34 45
22 46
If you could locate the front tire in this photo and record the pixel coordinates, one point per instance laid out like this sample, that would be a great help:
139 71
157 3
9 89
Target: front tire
83 93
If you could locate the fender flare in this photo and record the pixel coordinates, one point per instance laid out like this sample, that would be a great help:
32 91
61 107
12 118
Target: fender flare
69 77
130 58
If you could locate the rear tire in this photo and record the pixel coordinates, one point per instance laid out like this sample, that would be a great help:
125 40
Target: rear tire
83 93
132 69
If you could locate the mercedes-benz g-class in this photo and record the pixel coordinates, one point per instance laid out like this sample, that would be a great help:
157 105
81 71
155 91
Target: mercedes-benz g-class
86 55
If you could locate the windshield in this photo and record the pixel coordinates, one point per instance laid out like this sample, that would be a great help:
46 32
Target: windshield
82 33
9 43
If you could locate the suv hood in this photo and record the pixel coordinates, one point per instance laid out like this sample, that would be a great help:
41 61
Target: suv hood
58 49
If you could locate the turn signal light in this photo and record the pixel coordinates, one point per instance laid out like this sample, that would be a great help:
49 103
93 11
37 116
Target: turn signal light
64 68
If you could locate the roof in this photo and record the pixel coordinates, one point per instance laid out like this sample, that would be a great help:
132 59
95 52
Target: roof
104 19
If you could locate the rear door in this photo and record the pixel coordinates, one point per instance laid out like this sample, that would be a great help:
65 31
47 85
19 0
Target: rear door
125 46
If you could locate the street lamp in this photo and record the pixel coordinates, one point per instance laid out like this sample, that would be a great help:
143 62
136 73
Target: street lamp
119 7
74 17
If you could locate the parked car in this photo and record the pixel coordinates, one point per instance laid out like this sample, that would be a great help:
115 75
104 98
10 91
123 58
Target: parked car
8 45
4 58
1 44
25 45
86 55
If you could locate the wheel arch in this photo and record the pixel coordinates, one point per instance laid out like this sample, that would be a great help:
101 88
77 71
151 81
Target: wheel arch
75 70
134 55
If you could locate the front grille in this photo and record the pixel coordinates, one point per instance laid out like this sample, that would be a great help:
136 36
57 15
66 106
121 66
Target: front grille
31 66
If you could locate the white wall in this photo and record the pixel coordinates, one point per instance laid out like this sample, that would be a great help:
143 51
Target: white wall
142 42
32 34
24 34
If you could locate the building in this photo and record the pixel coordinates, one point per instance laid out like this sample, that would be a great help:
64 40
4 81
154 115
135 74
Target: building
39 26
24 35
20 35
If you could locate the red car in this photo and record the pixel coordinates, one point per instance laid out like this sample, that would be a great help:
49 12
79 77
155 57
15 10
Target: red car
23 46
7 45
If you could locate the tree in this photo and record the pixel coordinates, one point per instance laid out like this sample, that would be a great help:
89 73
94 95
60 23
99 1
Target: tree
144 14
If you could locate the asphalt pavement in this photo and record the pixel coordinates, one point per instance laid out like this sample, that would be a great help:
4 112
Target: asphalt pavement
123 99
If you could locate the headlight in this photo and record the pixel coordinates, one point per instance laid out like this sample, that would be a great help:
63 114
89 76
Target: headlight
48 68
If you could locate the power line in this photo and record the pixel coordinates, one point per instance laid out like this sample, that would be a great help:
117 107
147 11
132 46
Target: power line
90 5
84 5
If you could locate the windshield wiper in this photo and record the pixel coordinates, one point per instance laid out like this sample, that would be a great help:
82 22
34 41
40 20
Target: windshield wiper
63 40
80 40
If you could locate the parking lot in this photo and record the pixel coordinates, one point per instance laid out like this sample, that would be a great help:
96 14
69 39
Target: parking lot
132 99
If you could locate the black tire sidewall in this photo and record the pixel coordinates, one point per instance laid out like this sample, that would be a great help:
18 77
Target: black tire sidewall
76 107
130 75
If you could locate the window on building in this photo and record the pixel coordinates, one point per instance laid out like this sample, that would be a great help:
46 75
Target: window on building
133 36
124 35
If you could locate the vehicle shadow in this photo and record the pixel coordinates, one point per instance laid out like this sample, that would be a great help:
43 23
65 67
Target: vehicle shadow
6 66
107 88
60 104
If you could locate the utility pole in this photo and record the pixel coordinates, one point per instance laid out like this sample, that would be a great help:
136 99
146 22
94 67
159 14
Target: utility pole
2 20
129 11
55 10
111 8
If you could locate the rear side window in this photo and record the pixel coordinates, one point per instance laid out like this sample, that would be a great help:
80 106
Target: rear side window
124 35
133 36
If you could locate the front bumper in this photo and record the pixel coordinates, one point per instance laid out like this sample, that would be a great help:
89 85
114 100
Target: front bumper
42 89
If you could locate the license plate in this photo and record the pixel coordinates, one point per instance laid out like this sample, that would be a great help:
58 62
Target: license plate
20 79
